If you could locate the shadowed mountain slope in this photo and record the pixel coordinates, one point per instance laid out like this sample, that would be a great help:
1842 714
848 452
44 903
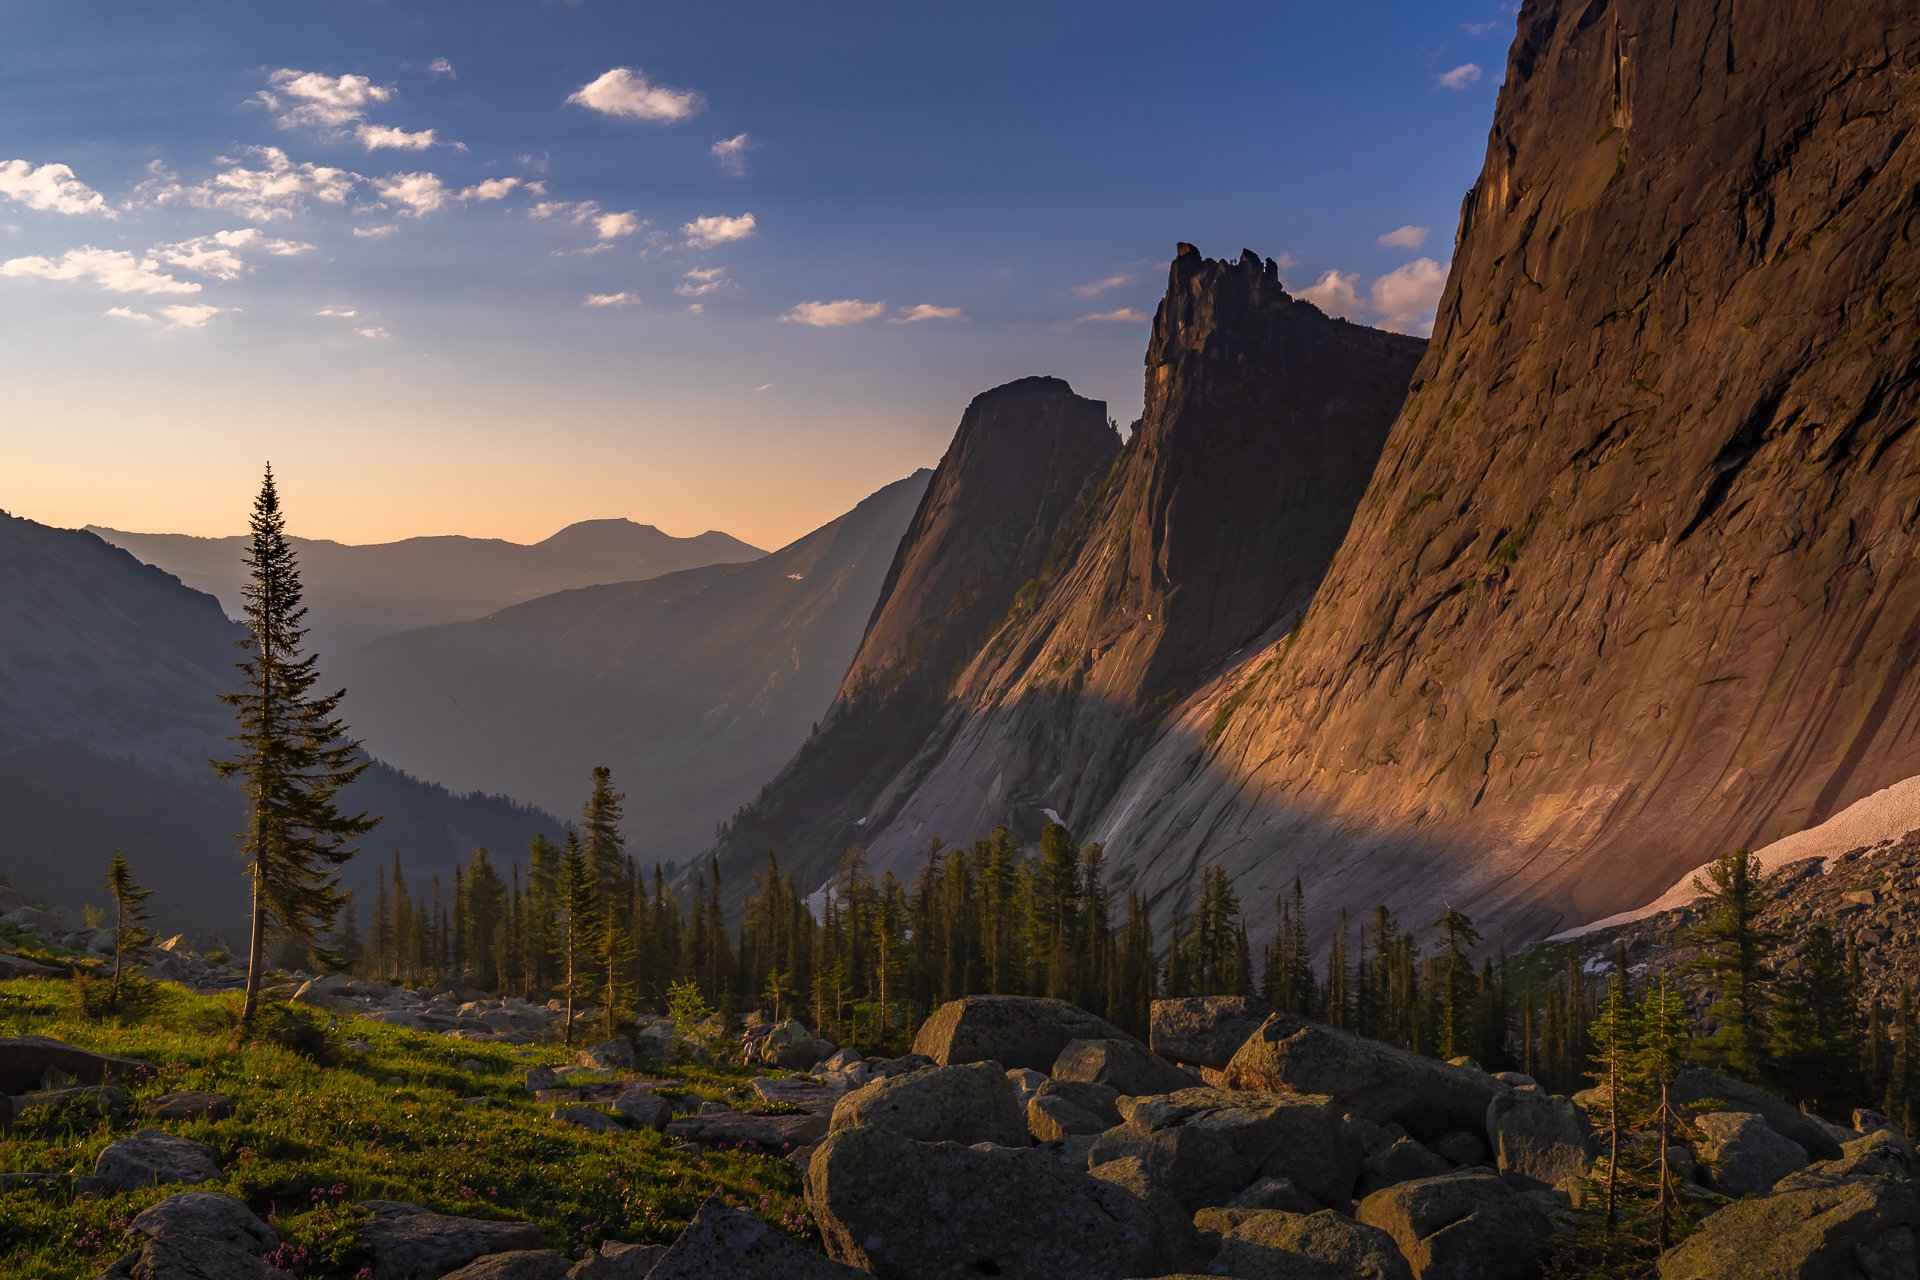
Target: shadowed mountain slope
110 672
693 687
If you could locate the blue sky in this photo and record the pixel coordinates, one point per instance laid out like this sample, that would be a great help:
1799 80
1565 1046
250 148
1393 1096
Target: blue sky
492 267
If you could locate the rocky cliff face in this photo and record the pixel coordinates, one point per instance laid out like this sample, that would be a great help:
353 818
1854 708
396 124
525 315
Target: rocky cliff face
1263 420
1023 468
1628 588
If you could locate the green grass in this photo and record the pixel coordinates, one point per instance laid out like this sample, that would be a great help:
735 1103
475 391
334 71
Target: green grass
308 1140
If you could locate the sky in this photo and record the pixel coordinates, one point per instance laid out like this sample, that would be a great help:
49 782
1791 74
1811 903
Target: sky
493 266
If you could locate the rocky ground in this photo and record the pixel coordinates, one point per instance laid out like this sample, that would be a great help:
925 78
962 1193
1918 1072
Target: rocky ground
1028 1138
1869 896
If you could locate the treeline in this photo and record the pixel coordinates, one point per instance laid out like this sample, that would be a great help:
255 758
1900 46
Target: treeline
868 959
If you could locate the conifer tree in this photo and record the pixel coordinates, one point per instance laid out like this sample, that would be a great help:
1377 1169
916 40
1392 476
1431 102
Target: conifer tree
579 889
294 756
1616 1037
130 919
1664 1028
1815 1038
1457 988
1733 962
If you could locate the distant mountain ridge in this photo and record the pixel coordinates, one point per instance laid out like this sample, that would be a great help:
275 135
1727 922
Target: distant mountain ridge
357 593
110 672
694 687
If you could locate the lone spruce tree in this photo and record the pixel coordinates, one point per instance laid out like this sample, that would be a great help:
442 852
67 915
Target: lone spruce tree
293 756
129 918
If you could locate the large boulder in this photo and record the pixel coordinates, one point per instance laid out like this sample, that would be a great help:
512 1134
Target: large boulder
721 1241
968 1103
742 1130
519 1264
189 1259
1538 1141
1125 1066
1272 1244
190 1105
616 1054
206 1216
906 1210
1208 1145
791 1046
1742 1154
405 1241
1205 1031
151 1158
1071 1108
1466 1225
1015 1031
28 1063
1883 1153
1403 1161
1376 1081
1696 1085
1854 1229
613 1261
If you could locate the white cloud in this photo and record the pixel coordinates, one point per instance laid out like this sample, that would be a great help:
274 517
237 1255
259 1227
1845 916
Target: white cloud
717 229
732 153
419 193
828 315
338 313
275 189
128 313
1406 298
537 163
1285 261
376 137
1337 293
611 226
374 333
765 386
374 233
50 188
1406 237
324 100
621 299
114 270
1460 77
441 67
191 315
927 311
1125 315
491 189
702 281
1094 288
1479 28
218 255
627 93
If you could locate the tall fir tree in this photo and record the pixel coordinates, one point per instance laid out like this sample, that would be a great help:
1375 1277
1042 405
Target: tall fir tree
294 755
1733 961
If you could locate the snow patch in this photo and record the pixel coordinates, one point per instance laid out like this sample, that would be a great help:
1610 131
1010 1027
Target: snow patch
1878 819
1053 816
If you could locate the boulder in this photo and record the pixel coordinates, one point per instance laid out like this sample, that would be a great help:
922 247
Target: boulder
1053 1118
592 1119
207 1216
1377 1081
190 1105
190 1259
1126 1066
906 1210
1538 1141
971 1102
1742 1154
1466 1225
1696 1085
1181 1246
791 1046
1204 1031
770 1135
794 1091
1026 1082
518 1264
1208 1145
1272 1244
888 1068
1460 1149
150 1158
1404 1161
1849 1230
1015 1031
1881 1154
616 1054
646 1109
1272 1193
33 1062
728 1242
405 1241
612 1261
89 1102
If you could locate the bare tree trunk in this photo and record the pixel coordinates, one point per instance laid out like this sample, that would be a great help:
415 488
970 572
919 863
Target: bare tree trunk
1613 1131
256 944
568 1040
119 947
1665 1177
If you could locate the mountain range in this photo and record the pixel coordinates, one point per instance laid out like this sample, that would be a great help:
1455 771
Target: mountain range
356 594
